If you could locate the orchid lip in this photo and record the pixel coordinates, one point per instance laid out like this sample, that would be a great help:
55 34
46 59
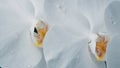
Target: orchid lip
98 45
38 32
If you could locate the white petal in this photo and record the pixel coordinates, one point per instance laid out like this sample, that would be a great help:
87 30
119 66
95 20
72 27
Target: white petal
94 11
113 52
19 52
62 49
26 7
16 49
39 8
112 18
66 13
42 62
57 11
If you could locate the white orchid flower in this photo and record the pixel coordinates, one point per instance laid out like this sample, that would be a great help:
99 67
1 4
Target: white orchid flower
72 25
81 20
16 48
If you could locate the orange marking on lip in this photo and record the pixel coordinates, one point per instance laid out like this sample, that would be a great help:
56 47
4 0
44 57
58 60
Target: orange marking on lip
101 45
41 33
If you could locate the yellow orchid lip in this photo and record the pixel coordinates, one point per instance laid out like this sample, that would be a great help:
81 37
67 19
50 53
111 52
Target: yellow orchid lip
39 32
98 46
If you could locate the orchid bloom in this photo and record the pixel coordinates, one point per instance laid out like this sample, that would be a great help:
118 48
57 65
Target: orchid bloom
16 47
81 33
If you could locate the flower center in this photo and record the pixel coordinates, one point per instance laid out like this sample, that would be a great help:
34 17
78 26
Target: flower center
40 30
98 45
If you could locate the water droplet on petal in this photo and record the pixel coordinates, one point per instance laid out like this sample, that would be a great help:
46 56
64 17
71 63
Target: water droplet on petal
114 23
59 7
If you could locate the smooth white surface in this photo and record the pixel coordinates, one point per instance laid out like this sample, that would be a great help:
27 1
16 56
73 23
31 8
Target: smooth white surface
112 17
113 53
66 43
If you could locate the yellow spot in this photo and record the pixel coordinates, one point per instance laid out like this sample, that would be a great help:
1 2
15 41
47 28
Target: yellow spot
37 44
99 58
